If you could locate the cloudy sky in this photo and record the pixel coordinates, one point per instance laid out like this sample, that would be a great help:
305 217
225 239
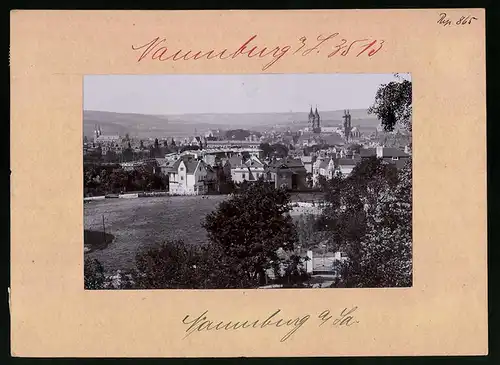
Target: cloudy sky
179 94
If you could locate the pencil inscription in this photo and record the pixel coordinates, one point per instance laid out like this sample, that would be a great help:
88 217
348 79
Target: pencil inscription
204 322
446 21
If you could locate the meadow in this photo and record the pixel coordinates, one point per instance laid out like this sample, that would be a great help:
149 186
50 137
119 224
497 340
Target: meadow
145 222
134 224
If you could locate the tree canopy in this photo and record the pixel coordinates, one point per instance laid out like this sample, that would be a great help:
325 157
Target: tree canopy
393 105
274 150
369 218
251 227
240 134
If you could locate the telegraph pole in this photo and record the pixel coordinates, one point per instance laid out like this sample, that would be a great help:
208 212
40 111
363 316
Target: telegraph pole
104 229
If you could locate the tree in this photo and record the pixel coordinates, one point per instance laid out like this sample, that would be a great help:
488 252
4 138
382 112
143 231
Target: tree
111 156
93 273
369 218
306 229
393 104
309 180
176 265
251 227
279 150
294 275
266 148
322 182
169 266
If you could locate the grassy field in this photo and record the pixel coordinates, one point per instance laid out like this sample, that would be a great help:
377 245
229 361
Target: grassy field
134 224
145 222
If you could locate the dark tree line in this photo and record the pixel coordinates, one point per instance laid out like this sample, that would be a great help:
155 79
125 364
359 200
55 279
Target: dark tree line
101 181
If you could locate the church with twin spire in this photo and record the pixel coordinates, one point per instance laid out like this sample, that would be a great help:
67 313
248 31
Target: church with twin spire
346 130
314 121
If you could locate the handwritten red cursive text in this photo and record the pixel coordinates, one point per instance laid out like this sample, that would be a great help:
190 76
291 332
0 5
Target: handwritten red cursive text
157 49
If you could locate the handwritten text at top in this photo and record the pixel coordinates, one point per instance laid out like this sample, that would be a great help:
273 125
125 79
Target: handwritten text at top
158 49
447 21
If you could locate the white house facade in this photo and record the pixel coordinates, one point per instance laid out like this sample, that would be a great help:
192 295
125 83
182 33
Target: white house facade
187 177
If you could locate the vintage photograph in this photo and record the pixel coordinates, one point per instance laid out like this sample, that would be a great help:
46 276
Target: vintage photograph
255 181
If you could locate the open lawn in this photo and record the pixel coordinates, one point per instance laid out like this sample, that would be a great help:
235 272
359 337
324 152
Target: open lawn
144 222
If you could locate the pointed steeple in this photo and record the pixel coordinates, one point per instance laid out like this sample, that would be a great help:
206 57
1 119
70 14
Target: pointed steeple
316 114
311 114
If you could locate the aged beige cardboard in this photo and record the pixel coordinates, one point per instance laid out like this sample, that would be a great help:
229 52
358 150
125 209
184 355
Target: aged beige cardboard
444 313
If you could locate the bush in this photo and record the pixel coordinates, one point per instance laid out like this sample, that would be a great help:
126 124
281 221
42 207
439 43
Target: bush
175 265
93 273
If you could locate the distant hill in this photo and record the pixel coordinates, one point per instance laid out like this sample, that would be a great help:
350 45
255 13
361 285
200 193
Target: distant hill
146 126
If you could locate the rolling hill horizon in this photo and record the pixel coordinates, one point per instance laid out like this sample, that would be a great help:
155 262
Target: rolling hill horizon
181 125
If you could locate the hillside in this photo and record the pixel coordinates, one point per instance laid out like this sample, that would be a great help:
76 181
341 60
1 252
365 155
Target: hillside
145 126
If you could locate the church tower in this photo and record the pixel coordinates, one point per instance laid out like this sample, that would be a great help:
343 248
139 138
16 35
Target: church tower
312 121
96 133
347 125
317 127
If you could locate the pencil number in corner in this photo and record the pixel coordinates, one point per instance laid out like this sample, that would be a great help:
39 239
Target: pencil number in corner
445 21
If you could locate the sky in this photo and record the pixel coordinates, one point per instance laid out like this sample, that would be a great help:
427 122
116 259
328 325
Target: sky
256 93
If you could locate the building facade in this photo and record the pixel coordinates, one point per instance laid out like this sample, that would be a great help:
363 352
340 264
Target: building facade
250 170
188 176
288 173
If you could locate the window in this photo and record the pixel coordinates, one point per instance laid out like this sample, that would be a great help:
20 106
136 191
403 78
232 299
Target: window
395 158
182 177
182 169
243 176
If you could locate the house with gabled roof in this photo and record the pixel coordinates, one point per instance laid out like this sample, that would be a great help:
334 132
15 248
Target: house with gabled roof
308 162
346 165
288 172
250 169
328 167
239 171
187 176
387 154
323 167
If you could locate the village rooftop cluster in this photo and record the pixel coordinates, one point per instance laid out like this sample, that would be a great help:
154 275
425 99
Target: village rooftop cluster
206 161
